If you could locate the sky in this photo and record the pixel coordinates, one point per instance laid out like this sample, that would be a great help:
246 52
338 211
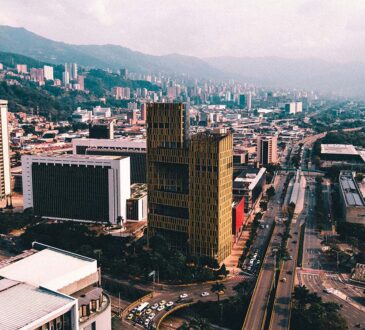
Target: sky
327 29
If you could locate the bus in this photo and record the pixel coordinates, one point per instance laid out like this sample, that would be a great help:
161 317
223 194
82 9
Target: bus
141 308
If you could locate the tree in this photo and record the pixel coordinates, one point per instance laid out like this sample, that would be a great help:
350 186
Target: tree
270 192
218 288
359 177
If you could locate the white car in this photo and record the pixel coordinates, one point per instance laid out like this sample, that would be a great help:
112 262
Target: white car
151 316
205 294
183 296
170 303
154 306
162 302
147 322
161 307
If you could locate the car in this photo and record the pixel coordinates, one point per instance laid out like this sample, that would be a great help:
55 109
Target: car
205 294
326 291
294 242
168 308
130 316
151 316
147 321
170 303
161 307
249 268
154 306
357 325
283 279
183 296
289 272
290 258
148 311
162 302
296 233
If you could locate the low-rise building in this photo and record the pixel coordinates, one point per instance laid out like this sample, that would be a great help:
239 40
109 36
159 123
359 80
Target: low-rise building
249 185
352 201
49 288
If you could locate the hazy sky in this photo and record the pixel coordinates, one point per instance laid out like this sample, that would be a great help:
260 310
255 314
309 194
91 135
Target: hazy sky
328 29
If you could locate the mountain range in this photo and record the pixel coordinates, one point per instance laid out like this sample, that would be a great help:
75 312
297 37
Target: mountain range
347 79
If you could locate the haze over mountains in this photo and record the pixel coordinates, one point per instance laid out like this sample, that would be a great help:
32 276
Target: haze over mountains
347 79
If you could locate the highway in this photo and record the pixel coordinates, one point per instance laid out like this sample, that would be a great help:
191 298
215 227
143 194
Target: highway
256 313
280 318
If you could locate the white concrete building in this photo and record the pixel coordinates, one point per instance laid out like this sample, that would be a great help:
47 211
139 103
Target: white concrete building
48 288
77 187
48 72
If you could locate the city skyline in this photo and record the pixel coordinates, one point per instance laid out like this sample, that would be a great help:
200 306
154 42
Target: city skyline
295 29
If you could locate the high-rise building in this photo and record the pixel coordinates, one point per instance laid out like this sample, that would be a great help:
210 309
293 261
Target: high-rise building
4 152
37 74
22 68
48 72
267 149
242 100
65 78
76 187
249 100
101 129
143 111
81 82
73 73
189 183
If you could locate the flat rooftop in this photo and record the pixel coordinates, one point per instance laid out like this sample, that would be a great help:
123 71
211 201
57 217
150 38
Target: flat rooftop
353 196
338 149
78 157
51 268
22 304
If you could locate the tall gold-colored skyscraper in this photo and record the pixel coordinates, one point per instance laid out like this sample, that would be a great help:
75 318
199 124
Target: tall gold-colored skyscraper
189 183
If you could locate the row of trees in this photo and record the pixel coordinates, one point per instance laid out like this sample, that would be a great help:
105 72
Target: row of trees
122 258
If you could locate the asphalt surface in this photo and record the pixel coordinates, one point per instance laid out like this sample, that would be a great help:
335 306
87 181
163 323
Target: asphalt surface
257 310
280 318
172 293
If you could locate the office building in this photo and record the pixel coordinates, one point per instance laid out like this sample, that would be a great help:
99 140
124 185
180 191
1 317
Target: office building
134 149
76 187
48 72
352 201
189 183
5 176
267 149
81 115
49 288
101 129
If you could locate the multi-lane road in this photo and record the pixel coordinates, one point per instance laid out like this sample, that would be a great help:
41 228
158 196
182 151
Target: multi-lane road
256 313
